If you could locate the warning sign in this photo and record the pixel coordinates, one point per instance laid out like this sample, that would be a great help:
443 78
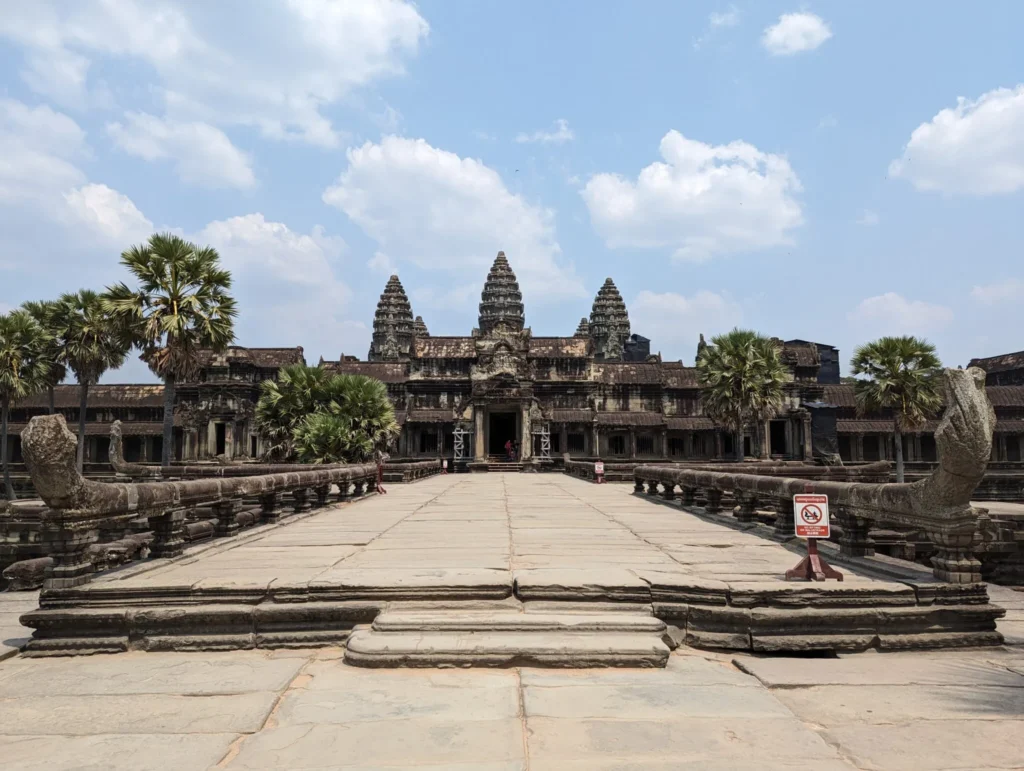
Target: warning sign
599 468
810 513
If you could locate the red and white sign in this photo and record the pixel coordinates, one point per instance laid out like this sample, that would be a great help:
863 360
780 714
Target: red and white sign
599 468
810 513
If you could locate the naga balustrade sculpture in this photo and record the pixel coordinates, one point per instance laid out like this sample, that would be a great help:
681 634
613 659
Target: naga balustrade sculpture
940 504
77 506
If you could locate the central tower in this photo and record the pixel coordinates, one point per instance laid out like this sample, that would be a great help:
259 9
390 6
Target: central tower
501 302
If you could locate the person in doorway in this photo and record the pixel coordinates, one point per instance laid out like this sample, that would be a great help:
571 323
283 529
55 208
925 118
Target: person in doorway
508 450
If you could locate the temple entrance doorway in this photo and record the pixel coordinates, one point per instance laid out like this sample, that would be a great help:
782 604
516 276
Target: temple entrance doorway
777 437
502 427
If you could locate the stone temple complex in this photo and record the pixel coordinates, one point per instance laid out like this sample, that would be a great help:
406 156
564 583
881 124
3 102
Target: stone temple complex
599 392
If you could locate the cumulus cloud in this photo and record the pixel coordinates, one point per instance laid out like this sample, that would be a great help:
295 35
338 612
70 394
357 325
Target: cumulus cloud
794 33
674 322
202 153
562 133
218 63
975 148
434 209
1004 291
893 314
701 201
107 213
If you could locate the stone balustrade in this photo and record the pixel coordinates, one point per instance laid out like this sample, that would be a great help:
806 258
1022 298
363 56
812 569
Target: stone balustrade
411 471
940 504
78 507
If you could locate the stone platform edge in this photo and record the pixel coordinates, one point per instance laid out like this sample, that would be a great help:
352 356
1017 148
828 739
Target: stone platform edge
755 616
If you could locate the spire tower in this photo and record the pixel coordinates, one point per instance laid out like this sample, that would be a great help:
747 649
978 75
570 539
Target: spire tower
501 302
609 322
392 324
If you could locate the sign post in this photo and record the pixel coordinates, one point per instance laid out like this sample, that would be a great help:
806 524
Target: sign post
599 472
811 522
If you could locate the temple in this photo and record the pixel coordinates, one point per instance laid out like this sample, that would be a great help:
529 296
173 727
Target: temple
598 393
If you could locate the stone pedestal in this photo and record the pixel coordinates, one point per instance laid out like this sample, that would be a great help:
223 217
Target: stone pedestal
784 525
225 512
746 510
344 491
638 485
652 488
270 507
954 559
360 488
668 491
300 500
321 495
69 549
714 501
688 496
168 540
855 540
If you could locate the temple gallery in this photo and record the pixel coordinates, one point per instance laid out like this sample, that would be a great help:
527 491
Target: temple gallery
597 393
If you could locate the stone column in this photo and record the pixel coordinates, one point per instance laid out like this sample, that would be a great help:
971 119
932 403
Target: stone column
954 559
211 441
747 509
632 443
229 438
859 447
479 439
714 501
300 500
719 445
595 442
688 496
563 441
808 450
321 495
526 441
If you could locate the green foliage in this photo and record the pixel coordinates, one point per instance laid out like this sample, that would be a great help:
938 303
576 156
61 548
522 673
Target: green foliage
900 374
318 417
24 368
90 342
180 306
741 376
44 313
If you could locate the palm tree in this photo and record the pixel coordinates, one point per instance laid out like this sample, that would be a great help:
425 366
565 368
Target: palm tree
23 371
741 375
323 418
900 374
44 313
298 391
91 343
181 306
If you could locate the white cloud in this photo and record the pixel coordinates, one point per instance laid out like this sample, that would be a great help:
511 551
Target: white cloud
728 18
868 218
286 283
893 314
702 201
381 263
37 148
107 213
1003 291
562 133
436 210
203 154
794 33
975 148
219 63
674 322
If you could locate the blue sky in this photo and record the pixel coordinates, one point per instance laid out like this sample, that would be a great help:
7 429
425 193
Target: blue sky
829 171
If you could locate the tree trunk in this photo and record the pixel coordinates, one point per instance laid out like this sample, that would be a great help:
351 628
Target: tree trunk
8 487
899 453
167 451
83 402
51 405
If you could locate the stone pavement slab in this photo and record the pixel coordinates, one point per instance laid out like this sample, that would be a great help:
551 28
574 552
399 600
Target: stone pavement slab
12 634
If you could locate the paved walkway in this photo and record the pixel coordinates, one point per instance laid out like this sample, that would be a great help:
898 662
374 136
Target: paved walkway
483 524
306 710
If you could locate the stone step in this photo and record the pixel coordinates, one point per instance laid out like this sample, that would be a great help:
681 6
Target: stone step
483 638
580 650
503 621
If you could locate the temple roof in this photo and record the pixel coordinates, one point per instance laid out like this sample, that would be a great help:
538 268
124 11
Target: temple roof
1001 363
583 328
843 395
385 371
444 348
800 354
501 302
392 323
100 396
267 358
419 327
559 347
